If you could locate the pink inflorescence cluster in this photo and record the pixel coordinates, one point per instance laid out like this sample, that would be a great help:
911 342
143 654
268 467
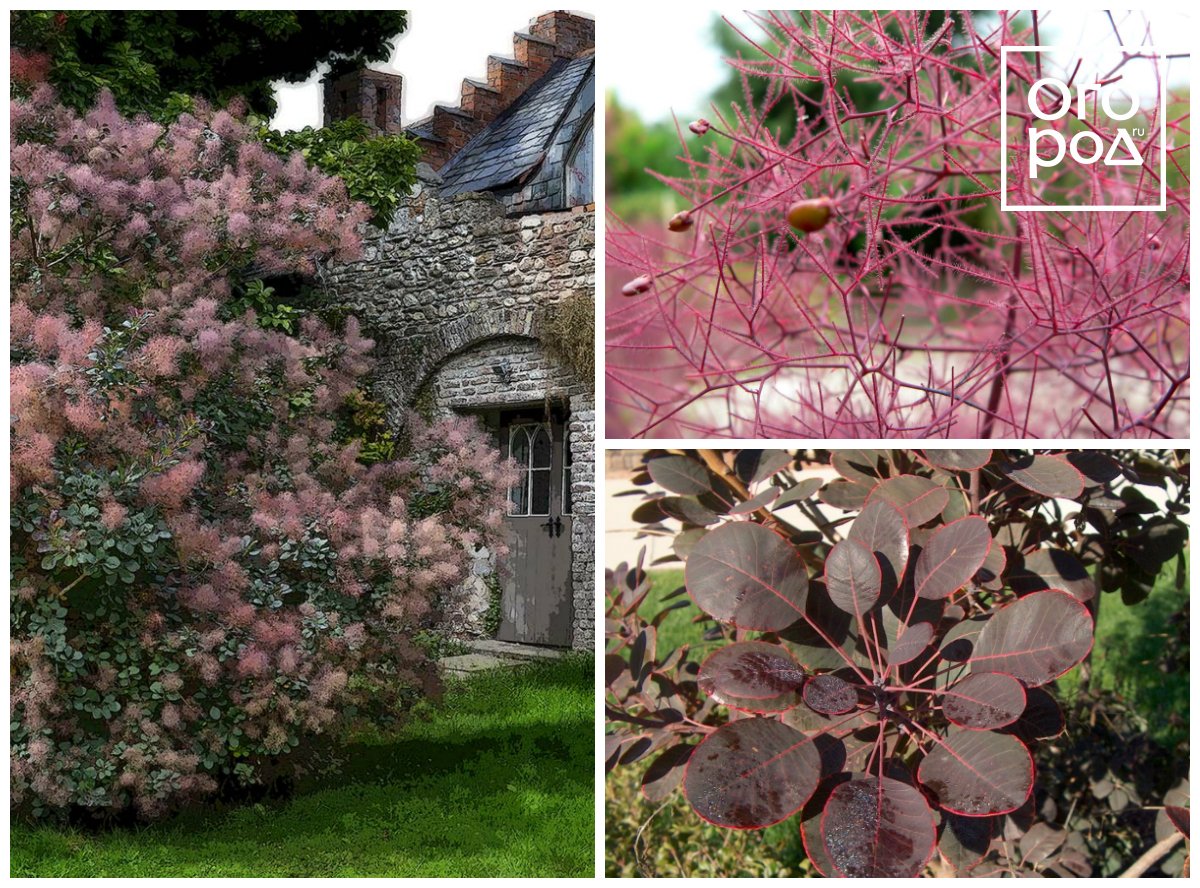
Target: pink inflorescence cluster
857 278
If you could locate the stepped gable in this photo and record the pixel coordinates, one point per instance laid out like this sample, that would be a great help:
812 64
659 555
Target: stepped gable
516 143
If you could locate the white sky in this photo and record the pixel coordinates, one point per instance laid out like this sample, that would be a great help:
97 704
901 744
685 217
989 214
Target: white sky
677 74
434 54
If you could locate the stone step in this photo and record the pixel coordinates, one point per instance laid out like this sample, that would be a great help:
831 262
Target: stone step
469 664
511 651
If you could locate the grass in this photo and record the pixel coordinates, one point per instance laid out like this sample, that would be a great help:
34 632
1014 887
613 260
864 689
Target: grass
496 781
678 627
1129 643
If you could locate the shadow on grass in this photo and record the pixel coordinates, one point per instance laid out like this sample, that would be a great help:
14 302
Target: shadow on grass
496 782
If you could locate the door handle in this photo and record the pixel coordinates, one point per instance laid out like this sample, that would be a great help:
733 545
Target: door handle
554 527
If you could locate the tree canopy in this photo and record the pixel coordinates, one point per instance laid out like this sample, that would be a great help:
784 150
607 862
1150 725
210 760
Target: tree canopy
151 59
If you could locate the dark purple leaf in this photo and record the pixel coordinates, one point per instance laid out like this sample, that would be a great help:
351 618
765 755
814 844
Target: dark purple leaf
637 749
649 512
963 841
751 670
978 773
1099 468
1182 819
686 540
799 492
829 695
751 773
747 575
1051 569
959 460
917 498
860 466
984 701
852 577
680 474
614 668
991 572
844 495
666 772
880 527
641 652
761 501
810 824
687 510
951 557
1050 476
1036 638
1041 719
1040 842
808 646
877 827
958 643
911 644
753 466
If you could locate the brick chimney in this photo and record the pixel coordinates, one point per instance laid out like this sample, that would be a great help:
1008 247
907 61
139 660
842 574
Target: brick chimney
372 96
375 97
572 35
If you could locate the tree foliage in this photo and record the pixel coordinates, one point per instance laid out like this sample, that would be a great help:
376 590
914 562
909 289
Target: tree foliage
155 59
379 171
206 577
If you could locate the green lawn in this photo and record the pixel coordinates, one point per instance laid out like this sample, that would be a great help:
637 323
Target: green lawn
1129 640
498 781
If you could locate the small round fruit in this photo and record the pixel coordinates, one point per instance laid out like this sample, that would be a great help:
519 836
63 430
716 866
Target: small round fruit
681 221
810 215
636 286
700 126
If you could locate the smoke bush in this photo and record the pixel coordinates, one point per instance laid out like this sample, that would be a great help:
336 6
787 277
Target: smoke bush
204 577
849 274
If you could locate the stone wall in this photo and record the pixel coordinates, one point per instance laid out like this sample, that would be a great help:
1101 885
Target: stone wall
451 291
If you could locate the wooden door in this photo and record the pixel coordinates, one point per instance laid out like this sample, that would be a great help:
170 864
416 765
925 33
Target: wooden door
536 606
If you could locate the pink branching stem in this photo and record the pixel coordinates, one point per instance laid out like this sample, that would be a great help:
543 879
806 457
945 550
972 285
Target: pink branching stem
917 310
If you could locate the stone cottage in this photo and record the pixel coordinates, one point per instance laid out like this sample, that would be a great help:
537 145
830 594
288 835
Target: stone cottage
461 293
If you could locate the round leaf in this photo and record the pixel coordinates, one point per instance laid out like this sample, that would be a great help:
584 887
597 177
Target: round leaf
1036 638
852 577
751 773
747 575
679 474
829 695
918 499
1052 569
1041 719
984 700
959 460
751 670
964 840
911 643
1050 476
881 528
666 772
879 827
951 557
978 773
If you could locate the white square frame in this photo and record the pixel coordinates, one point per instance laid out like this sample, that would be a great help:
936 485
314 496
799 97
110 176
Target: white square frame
1006 207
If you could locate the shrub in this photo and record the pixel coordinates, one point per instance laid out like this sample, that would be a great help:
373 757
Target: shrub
378 170
899 302
205 580
885 676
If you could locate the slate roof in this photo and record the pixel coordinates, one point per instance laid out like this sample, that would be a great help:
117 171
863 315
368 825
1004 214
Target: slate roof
515 143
